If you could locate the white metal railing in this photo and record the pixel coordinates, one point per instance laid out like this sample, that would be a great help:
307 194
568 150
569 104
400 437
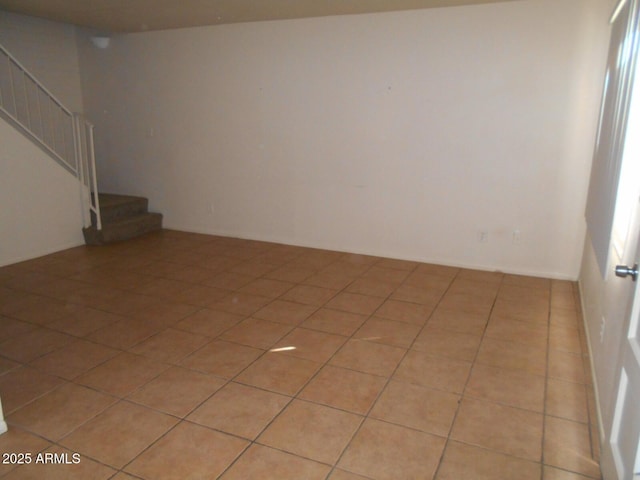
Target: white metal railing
67 137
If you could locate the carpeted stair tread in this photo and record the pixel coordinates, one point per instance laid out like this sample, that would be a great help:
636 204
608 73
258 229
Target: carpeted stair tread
110 199
113 206
123 217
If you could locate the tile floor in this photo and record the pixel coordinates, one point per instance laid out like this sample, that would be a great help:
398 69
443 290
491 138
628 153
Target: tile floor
184 356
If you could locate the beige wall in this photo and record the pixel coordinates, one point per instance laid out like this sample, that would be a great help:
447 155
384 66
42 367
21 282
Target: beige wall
399 134
40 201
49 51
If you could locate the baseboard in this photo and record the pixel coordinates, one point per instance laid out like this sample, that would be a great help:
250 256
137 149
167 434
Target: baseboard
375 253
39 253
594 377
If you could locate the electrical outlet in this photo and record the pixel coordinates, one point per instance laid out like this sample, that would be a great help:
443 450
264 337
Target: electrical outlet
483 236
211 209
602 328
515 238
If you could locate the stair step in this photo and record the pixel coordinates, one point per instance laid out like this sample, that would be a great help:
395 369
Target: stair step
124 228
123 217
114 207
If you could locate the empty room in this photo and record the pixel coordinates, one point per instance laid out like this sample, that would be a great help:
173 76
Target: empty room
319 239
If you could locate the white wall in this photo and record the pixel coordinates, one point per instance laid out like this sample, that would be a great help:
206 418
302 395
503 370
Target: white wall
398 134
49 51
40 201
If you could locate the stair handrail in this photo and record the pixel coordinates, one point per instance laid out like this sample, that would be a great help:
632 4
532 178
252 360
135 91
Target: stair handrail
65 136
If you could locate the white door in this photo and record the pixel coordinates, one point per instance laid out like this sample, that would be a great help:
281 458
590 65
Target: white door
622 456
621 452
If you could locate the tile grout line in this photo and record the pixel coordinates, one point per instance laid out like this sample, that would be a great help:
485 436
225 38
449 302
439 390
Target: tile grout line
180 420
295 395
473 363
546 385
366 415
323 364
389 378
326 362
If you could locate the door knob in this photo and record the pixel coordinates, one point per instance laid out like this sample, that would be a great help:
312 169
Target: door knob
624 271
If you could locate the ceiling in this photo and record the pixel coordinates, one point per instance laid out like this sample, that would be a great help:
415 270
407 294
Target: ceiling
144 15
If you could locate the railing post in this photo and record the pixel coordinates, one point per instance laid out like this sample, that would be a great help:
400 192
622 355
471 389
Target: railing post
77 139
91 156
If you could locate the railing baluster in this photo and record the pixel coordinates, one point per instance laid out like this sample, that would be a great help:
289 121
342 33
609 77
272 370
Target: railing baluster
77 160
53 128
68 155
40 112
1 97
63 151
13 89
26 99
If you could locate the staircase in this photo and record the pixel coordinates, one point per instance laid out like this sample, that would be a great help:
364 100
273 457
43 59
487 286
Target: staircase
123 217
67 138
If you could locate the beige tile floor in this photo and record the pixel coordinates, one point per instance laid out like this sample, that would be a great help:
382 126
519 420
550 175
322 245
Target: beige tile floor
184 356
